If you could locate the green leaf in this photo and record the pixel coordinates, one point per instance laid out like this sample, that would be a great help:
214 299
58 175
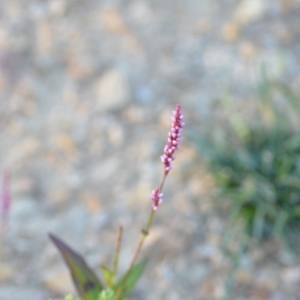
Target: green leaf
131 280
108 276
85 280
107 294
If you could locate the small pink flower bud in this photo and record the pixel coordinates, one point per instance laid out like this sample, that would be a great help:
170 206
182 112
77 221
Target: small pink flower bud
156 197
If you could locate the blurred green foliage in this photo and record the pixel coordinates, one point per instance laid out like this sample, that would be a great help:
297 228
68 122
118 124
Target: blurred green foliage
254 156
87 283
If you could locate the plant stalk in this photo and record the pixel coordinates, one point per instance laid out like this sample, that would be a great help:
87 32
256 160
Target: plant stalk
144 234
117 252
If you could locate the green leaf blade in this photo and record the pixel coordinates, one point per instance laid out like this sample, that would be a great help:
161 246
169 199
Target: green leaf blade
85 280
131 280
108 276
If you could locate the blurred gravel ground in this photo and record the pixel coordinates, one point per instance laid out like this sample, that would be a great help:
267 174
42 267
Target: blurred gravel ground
86 93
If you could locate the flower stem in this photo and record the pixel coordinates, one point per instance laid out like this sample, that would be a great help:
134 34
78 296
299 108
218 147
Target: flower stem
144 234
145 231
117 252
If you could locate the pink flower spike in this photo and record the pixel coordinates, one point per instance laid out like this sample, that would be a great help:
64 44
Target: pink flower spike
156 197
5 197
173 139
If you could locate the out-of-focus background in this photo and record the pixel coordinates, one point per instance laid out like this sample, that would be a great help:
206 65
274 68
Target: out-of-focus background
87 89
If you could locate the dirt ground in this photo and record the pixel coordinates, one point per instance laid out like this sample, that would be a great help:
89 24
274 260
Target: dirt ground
86 94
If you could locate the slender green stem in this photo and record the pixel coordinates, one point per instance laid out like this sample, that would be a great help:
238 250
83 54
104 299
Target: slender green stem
162 183
117 252
145 231
144 234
